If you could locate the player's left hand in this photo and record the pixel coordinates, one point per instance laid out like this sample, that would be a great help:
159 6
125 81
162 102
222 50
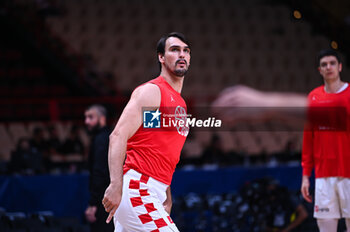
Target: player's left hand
167 205
111 200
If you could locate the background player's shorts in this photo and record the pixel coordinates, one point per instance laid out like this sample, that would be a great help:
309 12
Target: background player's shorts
141 207
332 197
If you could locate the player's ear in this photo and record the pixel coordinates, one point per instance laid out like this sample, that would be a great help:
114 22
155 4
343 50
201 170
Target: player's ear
340 67
161 58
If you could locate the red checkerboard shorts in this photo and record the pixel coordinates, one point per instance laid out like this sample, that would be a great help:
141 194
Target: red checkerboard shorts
141 208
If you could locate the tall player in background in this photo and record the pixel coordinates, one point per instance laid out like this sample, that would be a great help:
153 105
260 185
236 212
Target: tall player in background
140 200
326 147
326 151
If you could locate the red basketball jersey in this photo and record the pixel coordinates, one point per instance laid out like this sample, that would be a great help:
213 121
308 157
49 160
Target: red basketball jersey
156 151
326 143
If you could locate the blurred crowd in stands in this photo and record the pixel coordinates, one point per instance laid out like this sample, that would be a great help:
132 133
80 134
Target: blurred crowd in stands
38 155
44 151
260 205
215 155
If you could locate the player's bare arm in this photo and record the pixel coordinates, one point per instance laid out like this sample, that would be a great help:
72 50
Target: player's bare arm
232 103
244 96
130 120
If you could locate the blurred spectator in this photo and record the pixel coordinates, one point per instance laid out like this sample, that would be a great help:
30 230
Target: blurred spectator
191 151
73 144
261 205
286 211
291 152
38 141
96 123
270 206
26 159
214 154
54 143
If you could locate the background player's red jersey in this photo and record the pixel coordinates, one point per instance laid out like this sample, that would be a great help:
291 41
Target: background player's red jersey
326 142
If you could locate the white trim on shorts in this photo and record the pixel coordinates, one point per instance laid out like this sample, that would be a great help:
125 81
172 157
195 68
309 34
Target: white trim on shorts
141 208
332 197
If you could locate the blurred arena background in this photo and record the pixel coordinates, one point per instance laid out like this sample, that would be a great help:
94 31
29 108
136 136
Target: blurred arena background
59 56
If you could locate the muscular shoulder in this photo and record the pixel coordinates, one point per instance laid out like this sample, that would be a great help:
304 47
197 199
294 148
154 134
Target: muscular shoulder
147 95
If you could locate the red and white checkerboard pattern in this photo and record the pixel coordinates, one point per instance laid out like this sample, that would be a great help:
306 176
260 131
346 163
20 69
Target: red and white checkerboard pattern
146 205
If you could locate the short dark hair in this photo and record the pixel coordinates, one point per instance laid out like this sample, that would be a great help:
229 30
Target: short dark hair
327 52
162 41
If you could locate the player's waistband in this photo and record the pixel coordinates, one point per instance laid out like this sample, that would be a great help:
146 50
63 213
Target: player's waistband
131 173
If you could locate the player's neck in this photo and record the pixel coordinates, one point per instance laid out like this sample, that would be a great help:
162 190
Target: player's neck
333 86
174 81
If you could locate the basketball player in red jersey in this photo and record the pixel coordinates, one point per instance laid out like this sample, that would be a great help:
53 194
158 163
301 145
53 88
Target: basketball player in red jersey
139 194
326 147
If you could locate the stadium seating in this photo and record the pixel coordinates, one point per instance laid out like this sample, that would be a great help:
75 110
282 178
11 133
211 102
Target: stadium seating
43 221
258 39
233 42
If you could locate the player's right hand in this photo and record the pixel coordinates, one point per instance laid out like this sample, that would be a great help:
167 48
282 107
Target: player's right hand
305 185
111 200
